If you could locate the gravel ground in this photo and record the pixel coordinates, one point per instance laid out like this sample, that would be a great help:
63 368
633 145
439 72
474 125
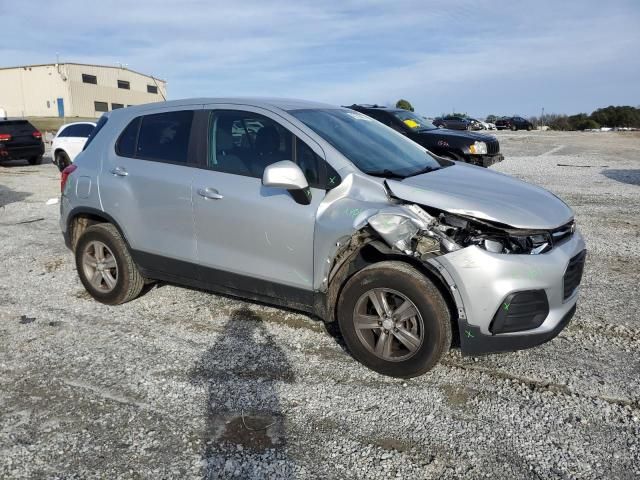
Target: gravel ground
184 384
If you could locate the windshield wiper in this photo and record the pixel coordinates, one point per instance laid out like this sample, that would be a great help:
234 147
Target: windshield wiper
385 173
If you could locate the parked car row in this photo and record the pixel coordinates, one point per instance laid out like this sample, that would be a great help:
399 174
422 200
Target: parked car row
325 210
456 122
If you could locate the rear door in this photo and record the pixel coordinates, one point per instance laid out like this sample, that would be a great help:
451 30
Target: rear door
251 237
145 184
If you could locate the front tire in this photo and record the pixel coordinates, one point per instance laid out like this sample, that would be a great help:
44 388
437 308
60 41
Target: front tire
105 266
35 160
394 320
514 128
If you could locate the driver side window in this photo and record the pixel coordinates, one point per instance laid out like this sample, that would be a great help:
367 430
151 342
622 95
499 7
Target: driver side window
245 143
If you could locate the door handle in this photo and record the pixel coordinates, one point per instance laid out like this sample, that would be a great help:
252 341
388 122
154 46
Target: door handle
119 171
210 193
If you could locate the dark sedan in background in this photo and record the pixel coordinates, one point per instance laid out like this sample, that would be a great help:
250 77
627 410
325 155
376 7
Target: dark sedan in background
514 123
454 122
470 147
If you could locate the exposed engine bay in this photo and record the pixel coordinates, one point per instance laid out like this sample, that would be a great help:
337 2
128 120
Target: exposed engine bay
416 231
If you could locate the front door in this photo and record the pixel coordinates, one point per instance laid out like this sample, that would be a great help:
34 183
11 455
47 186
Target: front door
251 237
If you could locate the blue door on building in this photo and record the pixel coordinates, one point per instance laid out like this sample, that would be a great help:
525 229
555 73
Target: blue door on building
61 107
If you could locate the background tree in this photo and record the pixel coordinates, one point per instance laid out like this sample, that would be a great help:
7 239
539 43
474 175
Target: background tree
491 118
404 104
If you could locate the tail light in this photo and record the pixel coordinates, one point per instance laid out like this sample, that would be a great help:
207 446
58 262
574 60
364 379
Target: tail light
65 176
37 135
5 137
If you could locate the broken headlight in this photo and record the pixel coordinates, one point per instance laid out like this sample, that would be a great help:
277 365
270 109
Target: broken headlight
467 232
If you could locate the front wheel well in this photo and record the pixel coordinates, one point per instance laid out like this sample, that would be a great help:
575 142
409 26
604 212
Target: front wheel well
374 252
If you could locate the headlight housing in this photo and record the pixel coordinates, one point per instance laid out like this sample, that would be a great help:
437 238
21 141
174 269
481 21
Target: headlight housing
478 148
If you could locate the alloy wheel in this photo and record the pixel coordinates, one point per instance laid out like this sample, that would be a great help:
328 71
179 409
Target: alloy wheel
100 267
388 324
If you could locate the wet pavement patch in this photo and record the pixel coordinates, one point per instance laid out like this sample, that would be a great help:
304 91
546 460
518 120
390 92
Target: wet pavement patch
254 432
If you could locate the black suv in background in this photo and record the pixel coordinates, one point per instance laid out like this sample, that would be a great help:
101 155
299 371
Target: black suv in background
514 123
20 140
454 123
470 147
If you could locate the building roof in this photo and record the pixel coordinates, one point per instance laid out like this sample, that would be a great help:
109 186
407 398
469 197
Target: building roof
82 64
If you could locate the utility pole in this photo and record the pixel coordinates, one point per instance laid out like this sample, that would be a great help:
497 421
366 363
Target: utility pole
542 119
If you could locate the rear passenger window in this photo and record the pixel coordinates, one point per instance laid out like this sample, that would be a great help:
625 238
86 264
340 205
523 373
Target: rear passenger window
165 137
162 137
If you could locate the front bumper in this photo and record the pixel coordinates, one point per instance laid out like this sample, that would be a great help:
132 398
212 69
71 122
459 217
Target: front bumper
481 281
484 160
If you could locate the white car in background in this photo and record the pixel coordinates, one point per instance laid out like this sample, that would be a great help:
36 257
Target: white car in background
69 142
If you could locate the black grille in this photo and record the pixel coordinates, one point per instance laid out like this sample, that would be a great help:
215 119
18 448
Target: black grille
573 275
493 147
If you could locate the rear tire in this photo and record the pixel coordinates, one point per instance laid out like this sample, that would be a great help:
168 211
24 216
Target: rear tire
35 160
514 128
410 335
62 160
529 128
105 266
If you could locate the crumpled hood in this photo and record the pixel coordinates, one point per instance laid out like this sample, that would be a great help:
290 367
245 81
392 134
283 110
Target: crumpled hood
477 192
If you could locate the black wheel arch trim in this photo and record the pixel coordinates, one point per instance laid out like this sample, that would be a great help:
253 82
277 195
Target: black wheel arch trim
95 212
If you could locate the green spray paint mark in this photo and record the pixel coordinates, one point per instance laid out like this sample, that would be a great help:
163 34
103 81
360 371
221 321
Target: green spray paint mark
506 306
468 333
353 212
332 180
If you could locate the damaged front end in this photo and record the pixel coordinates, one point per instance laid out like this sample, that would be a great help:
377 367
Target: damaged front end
414 231
508 285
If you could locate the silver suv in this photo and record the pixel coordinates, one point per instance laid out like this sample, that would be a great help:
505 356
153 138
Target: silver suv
324 210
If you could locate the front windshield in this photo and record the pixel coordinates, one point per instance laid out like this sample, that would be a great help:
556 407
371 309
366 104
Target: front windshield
369 145
413 121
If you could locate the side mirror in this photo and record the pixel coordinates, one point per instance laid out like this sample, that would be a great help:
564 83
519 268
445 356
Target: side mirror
286 174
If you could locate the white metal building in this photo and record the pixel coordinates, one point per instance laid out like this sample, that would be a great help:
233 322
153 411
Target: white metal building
74 90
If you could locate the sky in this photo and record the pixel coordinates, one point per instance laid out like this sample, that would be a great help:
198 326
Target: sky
479 57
